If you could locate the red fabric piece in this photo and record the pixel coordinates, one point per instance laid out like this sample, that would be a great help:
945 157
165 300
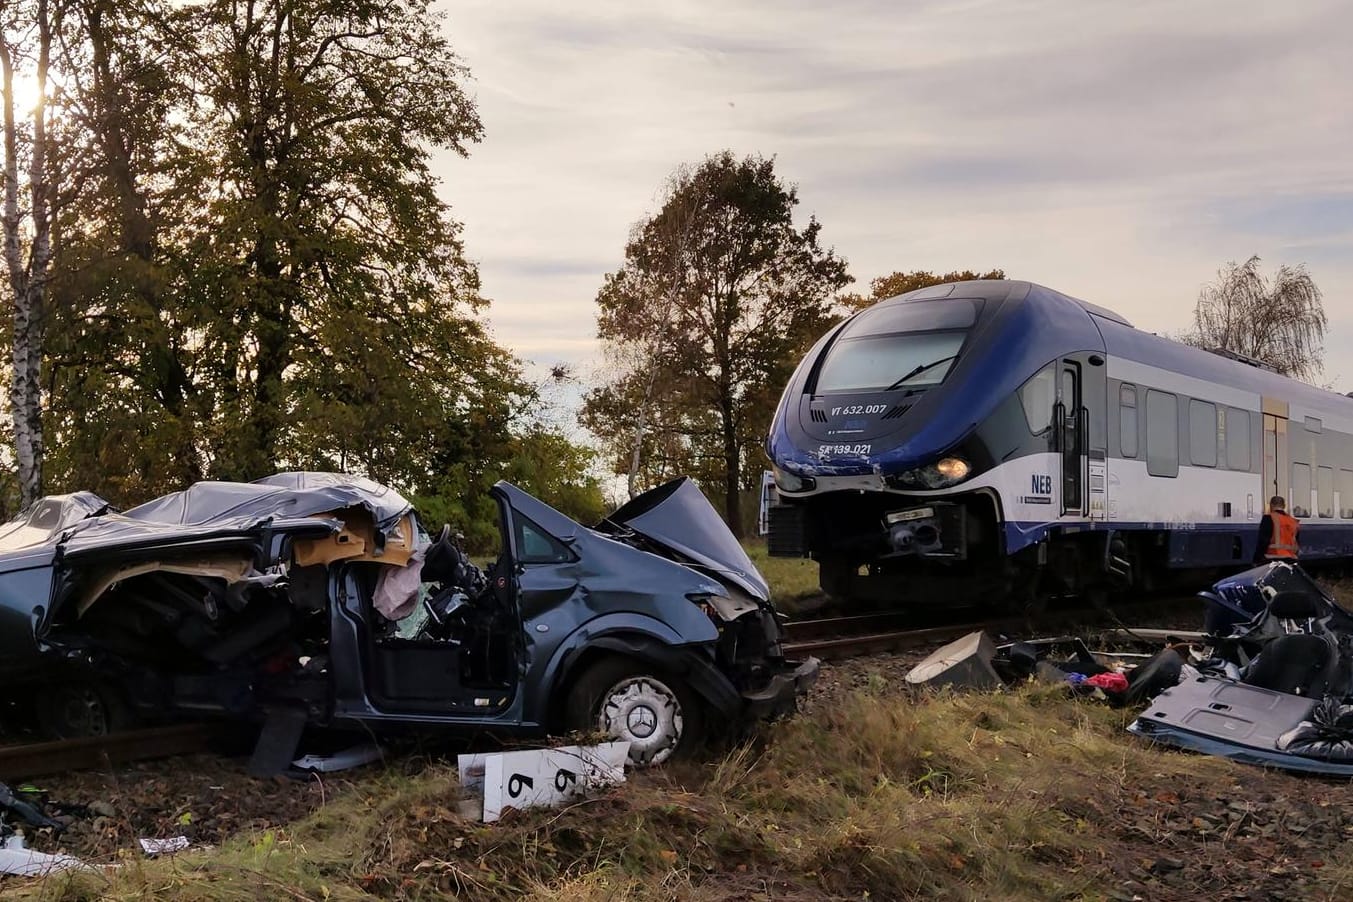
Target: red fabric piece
1109 682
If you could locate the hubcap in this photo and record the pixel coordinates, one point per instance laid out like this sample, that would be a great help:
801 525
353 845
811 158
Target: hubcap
646 712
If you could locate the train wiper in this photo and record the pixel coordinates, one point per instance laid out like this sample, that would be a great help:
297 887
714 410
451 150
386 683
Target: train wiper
918 371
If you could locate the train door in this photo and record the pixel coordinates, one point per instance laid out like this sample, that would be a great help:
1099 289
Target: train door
1276 464
1071 428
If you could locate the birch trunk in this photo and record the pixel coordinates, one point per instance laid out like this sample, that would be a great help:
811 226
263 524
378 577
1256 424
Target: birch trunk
27 278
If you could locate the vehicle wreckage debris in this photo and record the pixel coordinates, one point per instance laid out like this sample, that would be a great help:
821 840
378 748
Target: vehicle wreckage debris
1268 682
1277 686
317 600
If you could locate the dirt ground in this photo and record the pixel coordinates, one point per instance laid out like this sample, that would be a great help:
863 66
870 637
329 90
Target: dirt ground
1246 835
1265 837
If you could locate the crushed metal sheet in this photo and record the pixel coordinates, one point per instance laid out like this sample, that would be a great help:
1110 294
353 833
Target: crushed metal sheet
964 663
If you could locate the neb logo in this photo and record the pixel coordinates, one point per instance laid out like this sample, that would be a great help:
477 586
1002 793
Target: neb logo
1042 485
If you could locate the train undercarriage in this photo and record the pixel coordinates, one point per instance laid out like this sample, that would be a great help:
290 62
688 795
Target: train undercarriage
884 551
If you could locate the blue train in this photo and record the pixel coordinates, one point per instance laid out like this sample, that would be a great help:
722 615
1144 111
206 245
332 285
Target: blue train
1003 439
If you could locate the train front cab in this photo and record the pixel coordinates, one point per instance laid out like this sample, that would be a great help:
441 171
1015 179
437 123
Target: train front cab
1017 529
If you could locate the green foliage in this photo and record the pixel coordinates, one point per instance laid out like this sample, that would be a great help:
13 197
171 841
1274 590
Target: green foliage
258 272
704 322
899 282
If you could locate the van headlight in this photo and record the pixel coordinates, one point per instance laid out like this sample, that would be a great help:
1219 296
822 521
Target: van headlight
943 473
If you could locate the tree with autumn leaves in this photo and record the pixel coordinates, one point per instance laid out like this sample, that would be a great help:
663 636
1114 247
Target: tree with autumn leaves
228 255
703 323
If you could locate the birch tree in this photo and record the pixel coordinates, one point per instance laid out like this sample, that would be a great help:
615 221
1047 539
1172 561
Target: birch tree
27 230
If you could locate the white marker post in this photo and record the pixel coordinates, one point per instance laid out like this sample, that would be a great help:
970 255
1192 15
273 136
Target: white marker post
542 777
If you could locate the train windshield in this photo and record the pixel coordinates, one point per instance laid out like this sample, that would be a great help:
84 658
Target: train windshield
892 346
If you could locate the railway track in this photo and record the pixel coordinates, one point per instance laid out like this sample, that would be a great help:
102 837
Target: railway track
849 637
830 639
37 759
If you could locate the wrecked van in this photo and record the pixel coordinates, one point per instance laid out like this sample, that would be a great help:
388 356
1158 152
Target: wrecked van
1278 688
318 599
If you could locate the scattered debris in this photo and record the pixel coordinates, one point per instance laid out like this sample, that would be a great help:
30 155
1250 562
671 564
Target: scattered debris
964 663
1276 688
541 777
344 760
20 861
1120 676
167 846
25 811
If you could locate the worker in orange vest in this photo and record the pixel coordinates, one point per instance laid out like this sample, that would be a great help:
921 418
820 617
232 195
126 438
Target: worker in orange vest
1277 533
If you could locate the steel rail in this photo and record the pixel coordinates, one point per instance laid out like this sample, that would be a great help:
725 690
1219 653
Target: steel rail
851 637
62 755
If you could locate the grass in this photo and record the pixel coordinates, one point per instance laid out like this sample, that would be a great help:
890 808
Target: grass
793 581
1005 796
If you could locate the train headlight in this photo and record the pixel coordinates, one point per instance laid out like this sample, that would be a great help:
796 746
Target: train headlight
788 482
954 469
942 474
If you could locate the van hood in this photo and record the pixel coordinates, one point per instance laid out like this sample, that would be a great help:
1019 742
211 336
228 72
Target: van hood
678 516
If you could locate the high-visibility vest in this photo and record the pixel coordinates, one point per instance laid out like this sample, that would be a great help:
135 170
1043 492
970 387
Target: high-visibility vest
1284 543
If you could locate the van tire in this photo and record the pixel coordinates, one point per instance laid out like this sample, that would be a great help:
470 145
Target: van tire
628 699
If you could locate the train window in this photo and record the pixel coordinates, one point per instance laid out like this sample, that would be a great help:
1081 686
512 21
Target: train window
1237 439
1127 420
1162 434
914 316
1300 502
1324 491
1202 434
885 362
1346 494
1036 397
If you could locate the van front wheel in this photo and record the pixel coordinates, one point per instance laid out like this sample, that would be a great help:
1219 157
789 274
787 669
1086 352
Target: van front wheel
655 712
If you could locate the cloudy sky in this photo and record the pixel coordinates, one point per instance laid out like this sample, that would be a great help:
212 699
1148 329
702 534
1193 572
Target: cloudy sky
1117 152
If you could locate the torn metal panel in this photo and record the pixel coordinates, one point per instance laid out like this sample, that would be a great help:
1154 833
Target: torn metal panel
964 663
1233 720
231 569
